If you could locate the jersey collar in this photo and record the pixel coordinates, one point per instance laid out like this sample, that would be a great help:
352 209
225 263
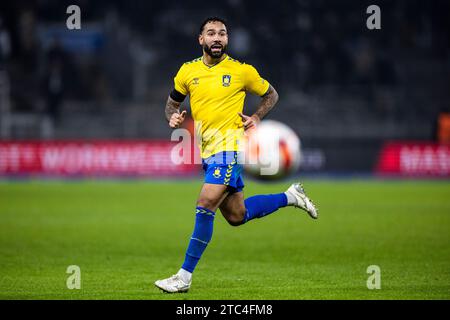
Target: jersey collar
210 67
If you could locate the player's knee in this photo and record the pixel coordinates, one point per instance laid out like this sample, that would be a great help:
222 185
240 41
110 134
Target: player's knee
209 204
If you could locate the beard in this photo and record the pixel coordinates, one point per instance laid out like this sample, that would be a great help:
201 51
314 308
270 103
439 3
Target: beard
216 54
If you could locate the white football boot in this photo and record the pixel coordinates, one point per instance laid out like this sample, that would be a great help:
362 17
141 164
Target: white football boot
303 202
173 284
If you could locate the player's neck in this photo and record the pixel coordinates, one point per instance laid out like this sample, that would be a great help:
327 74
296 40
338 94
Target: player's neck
210 61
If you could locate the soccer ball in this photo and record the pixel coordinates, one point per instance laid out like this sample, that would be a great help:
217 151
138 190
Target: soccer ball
272 151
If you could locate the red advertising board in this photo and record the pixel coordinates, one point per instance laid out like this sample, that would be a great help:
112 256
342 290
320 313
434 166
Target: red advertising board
90 158
407 158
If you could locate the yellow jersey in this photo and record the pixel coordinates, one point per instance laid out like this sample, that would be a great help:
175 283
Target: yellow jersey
217 94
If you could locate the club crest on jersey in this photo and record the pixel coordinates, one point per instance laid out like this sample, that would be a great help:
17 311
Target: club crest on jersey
226 80
216 173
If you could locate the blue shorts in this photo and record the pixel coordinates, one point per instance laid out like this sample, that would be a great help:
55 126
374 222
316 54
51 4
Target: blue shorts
224 168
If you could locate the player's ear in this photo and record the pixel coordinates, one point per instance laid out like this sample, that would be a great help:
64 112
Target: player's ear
200 39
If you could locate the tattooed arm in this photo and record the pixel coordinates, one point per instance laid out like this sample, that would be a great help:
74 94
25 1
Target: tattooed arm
269 99
173 114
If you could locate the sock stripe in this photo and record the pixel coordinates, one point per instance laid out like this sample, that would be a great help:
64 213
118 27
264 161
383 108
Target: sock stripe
205 211
200 240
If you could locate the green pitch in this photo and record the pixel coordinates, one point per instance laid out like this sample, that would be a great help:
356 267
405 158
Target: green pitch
125 235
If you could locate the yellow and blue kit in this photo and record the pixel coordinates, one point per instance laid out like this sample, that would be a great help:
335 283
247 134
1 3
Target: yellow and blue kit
217 95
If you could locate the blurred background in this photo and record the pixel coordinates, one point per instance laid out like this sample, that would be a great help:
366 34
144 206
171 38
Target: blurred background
362 101
368 105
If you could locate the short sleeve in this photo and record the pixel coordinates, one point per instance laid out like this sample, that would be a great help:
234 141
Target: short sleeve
254 83
180 82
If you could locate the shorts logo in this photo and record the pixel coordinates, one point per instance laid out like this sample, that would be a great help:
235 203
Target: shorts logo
226 80
195 81
216 173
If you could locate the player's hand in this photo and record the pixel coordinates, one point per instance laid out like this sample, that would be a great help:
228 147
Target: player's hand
249 122
177 119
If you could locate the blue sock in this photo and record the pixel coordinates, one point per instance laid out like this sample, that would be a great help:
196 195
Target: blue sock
204 221
261 205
